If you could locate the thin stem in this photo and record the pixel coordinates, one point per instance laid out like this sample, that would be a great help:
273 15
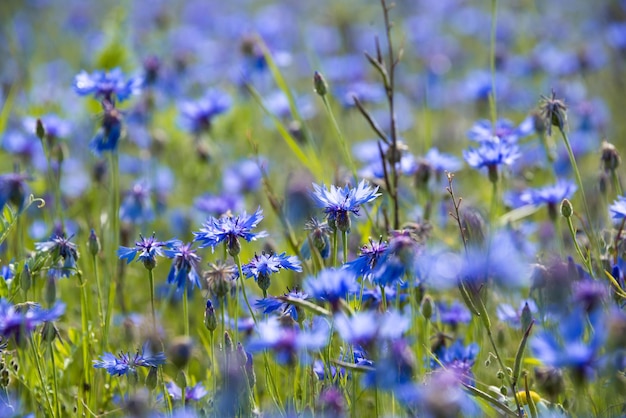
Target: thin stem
185 312
617 186
582 256
54 379
344 239
243 287
41 376
492 63
342 140
335 250
99 290
151 280
85 325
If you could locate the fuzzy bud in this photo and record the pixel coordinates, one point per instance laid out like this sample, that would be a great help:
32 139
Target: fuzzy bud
566 208
526 318
427 307
319 84
264 282
342 221
242 357
180 351
93 243
40 131
610 157
210 319
233 245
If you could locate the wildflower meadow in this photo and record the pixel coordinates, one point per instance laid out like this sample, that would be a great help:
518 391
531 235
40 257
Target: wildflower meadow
312 208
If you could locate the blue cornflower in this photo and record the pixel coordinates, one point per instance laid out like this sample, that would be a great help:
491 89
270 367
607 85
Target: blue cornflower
19 321
216 205
14 190
229 229
289 343
53 125
110 131
398 259
458 358
61 248
331 285
366 262
105 85
319 237
197 116
137 206
373 297
125 363
491 154
572 352
185 265
367 328
261 267
441 162
618 208
6 272
282 306
394 369
148 249
507 313
504 129
453 314
551 196
194 393
338 202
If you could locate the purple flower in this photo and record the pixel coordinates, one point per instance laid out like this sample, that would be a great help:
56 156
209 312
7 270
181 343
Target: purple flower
105 85
454 313
289 343
458 358
262 266
197 116
125 363
283 307
137 206
216 205
491 154
14 190
549 195
366 328
110 131
61 248
441 162
229 229
184 266
331 285
148 249
338 202
366 262
505 130
397 260
194 393
19 321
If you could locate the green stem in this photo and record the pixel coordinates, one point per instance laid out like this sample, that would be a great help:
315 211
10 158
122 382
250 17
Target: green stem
335 249
84 325
384 297
185 312
617 187
585 260
151 280
492 63
342 140
44 386
54 378
243 288
113 241
99 290
344 239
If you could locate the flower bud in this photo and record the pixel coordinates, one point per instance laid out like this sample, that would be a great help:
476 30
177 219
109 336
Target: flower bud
49 332
264 282
93 243
228 342
233 245
342 221
427 307
610 157
180 351
210 319
526 318
40 131
51 290
181 379
319 84
566 208
242 358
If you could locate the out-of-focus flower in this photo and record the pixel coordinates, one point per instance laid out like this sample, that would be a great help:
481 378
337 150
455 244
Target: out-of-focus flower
338 202
184 266
61 248
229 229
197 116
14 190
458 358
552 196
319 237
491 154
107 85
367 261
193 393
282 306
453 314
108 136
125 363
137 206
504 129
331 285
618 208
509 314
367 328
19 321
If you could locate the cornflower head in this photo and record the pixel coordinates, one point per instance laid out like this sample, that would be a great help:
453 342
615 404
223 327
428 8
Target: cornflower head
453 314
229 229
147 248
394 369
282 306
331 285
137 205
367 261
184 265
554 112
197 116
19 321
338 202
14 190
458 358
618 208
107 85
289 343
319 237
504 129
110 131
61 248
261 267
571 351
368 328
398 259
552 196
193 393
220 278
492 153
124 363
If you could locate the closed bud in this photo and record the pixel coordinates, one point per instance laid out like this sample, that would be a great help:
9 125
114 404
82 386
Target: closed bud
25 278
526 318
234 246
610 157
504 391
228 342
151 379
210 319
427 307
242 357
40 131
342 222
93 243
264 282
180 351
500 375
149 263
181 379
319 84
49 332
566 208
